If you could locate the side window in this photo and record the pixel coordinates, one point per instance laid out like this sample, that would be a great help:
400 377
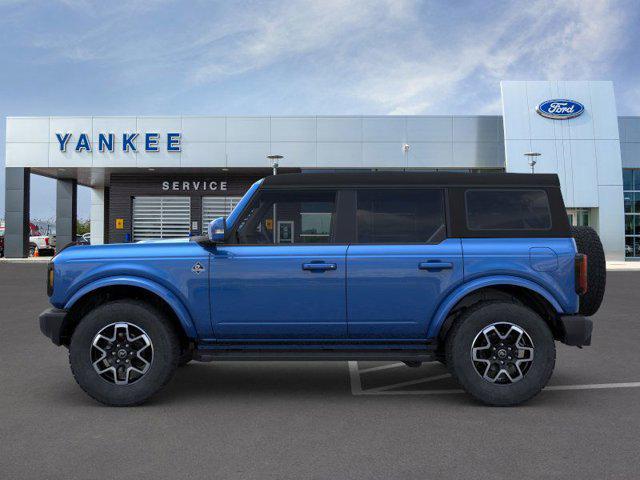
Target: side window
400 216
507 210
289 217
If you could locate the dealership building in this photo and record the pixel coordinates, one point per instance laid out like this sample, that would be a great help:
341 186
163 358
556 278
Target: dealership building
168 176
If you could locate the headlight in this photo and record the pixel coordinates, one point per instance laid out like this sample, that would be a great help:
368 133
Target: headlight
50 278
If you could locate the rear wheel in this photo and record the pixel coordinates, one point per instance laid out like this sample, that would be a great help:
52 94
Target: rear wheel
123 352
501 353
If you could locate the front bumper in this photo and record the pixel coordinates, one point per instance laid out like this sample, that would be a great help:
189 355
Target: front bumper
51 324
575 330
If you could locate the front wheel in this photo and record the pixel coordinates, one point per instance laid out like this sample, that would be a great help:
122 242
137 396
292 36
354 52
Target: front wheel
123 352
501 353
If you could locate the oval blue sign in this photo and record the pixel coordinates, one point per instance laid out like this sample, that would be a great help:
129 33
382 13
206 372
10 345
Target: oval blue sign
560 109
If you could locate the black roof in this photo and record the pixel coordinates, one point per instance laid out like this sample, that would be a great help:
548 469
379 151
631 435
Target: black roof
412 178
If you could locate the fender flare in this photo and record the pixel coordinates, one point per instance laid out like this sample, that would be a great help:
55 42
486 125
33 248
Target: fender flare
465 289
172 300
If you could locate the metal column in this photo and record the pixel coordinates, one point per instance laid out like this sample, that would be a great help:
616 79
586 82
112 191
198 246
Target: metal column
17 189
66 212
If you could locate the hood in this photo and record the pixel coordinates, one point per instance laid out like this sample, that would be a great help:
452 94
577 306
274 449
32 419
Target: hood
114 251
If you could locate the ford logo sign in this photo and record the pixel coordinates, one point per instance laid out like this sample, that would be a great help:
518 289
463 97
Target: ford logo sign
560 109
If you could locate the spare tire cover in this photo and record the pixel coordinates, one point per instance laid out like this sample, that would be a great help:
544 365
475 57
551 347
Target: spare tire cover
588 242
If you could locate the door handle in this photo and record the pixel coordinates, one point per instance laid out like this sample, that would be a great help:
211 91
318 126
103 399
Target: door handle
319 267
435 266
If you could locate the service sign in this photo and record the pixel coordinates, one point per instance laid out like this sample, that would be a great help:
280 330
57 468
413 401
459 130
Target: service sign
194 185
560 109
149 141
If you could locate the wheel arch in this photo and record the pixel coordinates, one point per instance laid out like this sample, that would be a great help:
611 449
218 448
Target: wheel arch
116 288
518 289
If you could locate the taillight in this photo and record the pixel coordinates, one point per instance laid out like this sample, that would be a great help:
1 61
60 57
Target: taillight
581 273
46 241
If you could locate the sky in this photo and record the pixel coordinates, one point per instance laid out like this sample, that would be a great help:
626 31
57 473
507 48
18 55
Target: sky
146 57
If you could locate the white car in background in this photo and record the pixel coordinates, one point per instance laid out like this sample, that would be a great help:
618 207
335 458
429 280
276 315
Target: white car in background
46 244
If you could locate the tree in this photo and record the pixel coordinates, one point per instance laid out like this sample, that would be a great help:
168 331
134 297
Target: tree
83 226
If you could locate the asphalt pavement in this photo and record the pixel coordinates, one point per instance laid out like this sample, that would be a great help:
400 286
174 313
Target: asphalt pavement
281 420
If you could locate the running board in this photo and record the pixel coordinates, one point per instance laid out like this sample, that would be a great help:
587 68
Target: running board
401 355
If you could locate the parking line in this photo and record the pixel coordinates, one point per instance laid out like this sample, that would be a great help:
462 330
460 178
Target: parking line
409 383
411 392
356 384
381 367
354 376
594 386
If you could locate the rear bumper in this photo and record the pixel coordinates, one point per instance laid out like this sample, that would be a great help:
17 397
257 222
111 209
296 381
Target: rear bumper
51 323
576 330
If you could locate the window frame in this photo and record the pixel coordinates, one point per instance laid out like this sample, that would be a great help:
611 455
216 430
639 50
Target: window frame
231 237
445 212
472 190
559 222
633 237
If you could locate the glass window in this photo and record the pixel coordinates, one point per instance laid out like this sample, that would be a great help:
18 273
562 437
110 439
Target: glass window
572 218
400 216
315 224
627 178
629 224
636 179
288 217
628 202
635 200
507 210
579 217
628 247
583 218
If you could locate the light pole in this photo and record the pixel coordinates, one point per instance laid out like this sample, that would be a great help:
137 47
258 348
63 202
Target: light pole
532 159
274 163
405 153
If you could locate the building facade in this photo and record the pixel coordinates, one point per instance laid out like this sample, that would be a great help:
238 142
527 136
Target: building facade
159 177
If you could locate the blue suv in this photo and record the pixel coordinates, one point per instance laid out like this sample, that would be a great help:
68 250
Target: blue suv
481 272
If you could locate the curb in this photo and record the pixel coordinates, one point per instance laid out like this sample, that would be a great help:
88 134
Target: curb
26 260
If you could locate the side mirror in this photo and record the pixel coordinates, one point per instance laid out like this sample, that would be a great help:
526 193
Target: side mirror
217 230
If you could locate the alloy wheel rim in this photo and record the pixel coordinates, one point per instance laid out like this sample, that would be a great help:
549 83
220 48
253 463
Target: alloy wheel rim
502 353
121 353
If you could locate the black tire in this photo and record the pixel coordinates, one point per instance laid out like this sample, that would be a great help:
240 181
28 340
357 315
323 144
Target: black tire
588 242
166 352
32 249
459 343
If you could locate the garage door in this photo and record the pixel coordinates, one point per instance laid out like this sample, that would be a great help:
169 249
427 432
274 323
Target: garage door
214 207
161 217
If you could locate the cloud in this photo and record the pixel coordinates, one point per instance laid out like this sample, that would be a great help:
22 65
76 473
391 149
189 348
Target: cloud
389 56
294 30
540 40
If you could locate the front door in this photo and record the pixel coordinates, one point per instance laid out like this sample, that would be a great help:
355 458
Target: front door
282 276
402 265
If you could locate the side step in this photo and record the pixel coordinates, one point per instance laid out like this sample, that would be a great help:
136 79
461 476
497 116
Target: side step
402 355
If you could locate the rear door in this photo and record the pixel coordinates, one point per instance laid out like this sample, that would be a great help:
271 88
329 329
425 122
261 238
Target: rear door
402 264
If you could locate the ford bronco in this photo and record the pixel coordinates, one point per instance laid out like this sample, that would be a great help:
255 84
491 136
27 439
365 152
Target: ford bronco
481 272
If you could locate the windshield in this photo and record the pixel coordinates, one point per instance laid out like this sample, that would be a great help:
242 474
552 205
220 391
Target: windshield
233 216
